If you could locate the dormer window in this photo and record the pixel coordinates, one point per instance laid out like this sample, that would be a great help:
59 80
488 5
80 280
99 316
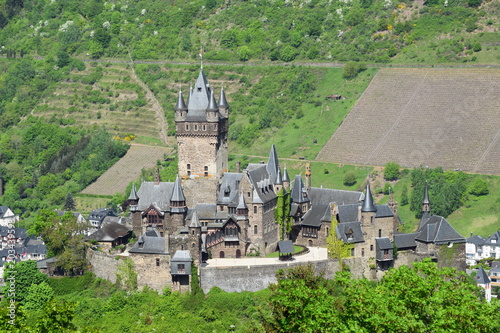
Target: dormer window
349 234
199 89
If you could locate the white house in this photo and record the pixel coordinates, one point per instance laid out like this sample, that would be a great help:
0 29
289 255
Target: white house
478 248
7 216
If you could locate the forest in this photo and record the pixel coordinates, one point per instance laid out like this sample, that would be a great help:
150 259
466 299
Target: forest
417 298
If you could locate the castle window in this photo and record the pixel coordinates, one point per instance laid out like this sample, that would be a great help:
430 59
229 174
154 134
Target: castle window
189 173
248 194
371 219
205 174
352 252
327 230
157 261
181 268
199 88
182 247
189 166
363 252
187 127
215 126
205 168
380 232
255 209
195 127
193 245
204 127
192 232
255 230
371 247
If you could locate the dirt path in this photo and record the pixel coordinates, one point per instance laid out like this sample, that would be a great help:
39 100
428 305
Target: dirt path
160 114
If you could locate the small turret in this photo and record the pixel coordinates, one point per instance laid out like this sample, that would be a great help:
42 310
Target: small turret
177 200
426 204
242 208
180 108
368 205
308 176
278 183
157 176
223 106
213 109
133 198
286 180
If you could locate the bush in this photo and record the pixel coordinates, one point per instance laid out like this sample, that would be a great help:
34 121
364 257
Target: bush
479 186
352 69
391 171
350 178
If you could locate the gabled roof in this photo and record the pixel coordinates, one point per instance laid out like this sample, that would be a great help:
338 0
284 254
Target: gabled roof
324 196
350 232
368 205
405 241
348 213
494 239
383 211
110 232
315 215
159 194
228 193
437 230
4 210
299 192
241 202
18 232
181 255
482 277
383 243
261 180
476 240
150 242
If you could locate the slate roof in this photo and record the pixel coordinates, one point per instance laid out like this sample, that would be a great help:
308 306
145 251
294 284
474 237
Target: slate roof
195 221
199 99
482 277
260 179
383 243
324 196
18 232
476 240
405 241
273 164
181 255
383 211
151 241
495 266
426 194
315 215
222 99
343 231
241 203
348 213
180 105
285 246
159 194
286 178
110 232
299 192
437 230
494 239
228 193
368 205
3 211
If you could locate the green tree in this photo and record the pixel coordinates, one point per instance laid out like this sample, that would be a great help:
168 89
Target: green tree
479 186
69 203
351 69
336 247
23 275
391 171
38 295
350 178
126 277
404 196
244 53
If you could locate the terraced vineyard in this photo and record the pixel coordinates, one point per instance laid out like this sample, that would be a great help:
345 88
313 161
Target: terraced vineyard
430 117
127 169
115 100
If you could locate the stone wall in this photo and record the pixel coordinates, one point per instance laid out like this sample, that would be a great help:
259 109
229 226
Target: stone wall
103 265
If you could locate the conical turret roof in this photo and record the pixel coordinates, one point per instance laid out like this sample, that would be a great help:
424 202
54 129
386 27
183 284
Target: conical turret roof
133 194
426 195
177 193
368 205
195 221
222 99
241 203
286 178
272 163
180 102
212 106
279 179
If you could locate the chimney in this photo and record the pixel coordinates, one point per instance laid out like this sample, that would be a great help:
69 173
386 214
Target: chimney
238 166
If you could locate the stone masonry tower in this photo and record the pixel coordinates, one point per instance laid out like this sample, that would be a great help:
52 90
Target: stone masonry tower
201 126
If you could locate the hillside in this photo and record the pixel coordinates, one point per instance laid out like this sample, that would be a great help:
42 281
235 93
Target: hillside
429 117
377 31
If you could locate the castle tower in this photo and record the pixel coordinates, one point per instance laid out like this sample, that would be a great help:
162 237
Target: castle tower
195 238
273 163
278 183
426 206
242 216
368 208
133 198
308 176
201 141
178 207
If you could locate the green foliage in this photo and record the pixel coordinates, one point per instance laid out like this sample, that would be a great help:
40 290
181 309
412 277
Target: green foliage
23 275
400 302
126 277
352 69
349 178
478 186
38 295
391 171
282 213
404 196
336 247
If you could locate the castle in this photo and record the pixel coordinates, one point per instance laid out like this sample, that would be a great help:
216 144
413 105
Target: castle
209 212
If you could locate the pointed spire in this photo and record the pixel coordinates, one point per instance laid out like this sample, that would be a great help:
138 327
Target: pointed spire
286 178
368 205
180 103
200 94
241 203
177 193
272 163
212 106
133 194
222 99
279 179
299 192
426 201
195 221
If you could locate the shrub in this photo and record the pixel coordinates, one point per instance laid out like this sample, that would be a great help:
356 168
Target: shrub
391 171
352 69
350 178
